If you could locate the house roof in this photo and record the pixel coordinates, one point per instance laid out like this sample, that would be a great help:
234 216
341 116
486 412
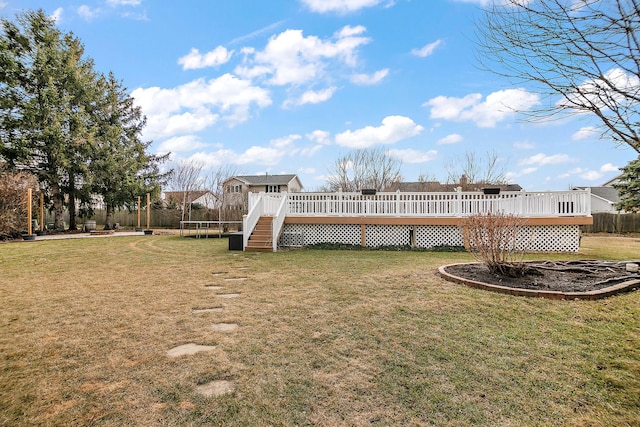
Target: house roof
612 181
609 194
266 179
435 186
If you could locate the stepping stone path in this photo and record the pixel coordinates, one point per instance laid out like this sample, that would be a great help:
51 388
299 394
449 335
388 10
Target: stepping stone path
207 310
187 349
228 295
224 327
216 388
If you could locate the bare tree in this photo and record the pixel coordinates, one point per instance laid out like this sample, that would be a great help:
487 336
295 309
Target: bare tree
365 169
215 185
186 179
580 56
472 168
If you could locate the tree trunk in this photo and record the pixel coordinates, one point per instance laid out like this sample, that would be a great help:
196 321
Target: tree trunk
72 204
58 208
109 218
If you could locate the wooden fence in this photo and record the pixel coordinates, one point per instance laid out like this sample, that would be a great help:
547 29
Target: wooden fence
604 222
162 218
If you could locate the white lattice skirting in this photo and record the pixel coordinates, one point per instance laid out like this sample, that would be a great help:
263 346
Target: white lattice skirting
537 238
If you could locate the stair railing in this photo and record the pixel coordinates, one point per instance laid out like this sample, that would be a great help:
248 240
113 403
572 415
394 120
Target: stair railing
278 221
250 220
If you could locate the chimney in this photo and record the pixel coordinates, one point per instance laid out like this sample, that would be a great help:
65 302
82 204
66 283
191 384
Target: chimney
463 181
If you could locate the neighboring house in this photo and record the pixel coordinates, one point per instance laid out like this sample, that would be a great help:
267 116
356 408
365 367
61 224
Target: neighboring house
435 186
205 198
603 199
237 187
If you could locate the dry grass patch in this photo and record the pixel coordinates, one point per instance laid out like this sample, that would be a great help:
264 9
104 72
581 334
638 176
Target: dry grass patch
326 338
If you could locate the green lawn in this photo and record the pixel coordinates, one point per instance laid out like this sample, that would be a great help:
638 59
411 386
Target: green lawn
325 338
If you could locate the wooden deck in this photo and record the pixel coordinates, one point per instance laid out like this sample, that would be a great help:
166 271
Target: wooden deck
422 219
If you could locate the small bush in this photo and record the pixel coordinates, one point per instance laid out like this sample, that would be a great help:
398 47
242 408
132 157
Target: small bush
13 203
494 239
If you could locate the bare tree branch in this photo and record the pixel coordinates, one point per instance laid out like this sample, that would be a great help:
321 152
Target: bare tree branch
365 168
581 56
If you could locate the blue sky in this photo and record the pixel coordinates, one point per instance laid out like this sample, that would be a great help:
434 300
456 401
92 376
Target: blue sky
289 86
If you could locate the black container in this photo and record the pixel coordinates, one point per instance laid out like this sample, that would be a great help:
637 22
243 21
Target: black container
491 190
235 241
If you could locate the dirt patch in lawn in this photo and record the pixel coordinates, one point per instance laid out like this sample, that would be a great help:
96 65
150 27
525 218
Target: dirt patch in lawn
568 277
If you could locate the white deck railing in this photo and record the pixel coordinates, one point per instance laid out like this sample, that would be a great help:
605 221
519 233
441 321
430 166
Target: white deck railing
527 204
455 204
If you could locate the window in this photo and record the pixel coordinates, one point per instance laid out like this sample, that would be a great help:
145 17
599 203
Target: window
273 188
234 189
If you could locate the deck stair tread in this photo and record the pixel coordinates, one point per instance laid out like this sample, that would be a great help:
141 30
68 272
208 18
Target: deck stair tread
261 238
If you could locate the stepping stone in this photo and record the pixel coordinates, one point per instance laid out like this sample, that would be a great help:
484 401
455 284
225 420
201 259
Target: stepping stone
225 327
213 287
235 279
188 349
218 273
243 268
207 310
216 388
228 295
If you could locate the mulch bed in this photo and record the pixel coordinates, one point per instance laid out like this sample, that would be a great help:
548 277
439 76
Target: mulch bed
570 276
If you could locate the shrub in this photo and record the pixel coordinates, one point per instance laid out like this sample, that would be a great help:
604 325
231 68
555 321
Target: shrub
495 239
13 204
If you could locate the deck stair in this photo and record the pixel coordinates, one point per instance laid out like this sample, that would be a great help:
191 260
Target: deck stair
261 239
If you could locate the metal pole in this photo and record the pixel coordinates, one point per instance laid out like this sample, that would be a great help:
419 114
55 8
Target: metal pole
41 211
148 211
29 228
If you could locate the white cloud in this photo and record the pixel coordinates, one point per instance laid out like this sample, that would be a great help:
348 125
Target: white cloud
3 4
269 155
181 144
339 6
542 159
56 15
511 176
585 132
413 156
320 136
591 175
87 13
199 103
369 79
313 97
392 130
497 106
593 92
454 138
188 121
426 50
524 145
608 167
290 58
195 60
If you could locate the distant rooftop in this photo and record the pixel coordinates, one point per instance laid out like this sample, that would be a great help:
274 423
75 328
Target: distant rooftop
266 179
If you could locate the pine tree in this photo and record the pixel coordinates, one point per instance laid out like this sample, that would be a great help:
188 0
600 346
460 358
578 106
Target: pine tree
629 187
